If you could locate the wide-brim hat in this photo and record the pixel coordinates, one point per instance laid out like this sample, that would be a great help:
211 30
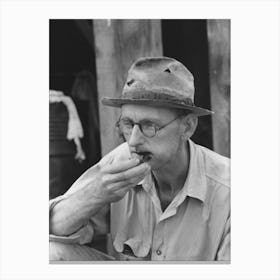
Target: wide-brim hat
160 82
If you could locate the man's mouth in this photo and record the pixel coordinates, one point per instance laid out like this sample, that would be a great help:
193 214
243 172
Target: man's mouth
142 156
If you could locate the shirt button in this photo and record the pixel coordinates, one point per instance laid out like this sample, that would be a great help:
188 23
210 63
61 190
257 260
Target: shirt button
158 252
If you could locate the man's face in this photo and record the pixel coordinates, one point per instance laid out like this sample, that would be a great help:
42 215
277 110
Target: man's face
160 150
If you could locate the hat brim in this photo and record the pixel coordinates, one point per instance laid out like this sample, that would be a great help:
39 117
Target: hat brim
118 102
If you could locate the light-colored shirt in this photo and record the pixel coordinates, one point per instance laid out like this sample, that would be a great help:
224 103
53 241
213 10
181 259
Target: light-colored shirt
194 227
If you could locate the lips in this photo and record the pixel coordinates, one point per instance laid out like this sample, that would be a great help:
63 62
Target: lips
142 156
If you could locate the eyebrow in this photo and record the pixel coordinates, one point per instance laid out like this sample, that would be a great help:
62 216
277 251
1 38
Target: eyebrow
154 120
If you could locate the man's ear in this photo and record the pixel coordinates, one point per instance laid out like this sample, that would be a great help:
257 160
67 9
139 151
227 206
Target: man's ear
190 124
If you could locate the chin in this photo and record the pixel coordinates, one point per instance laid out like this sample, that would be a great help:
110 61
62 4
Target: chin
154 165
157 165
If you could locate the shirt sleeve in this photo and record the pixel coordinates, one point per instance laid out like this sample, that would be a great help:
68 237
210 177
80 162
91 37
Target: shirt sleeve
98 224
224 248
82 236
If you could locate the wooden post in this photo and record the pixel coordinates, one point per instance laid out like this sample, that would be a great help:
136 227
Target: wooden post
118 43
219 66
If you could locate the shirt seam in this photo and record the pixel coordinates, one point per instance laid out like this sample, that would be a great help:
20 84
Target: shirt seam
217 181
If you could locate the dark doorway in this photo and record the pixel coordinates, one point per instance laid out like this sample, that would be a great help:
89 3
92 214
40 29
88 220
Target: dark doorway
186 40
70 52
72 71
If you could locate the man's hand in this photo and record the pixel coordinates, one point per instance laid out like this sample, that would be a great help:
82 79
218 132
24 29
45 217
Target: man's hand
106 182
113 180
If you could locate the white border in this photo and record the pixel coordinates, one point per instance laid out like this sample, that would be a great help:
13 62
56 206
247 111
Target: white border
255 137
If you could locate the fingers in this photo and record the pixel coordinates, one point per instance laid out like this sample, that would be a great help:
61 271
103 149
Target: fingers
134 172
128 175
120 166
126 185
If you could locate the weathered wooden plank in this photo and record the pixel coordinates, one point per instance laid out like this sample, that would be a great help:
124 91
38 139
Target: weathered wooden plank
219 66
117 44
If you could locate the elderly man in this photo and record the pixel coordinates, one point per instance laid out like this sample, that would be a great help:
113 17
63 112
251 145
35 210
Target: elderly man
169 197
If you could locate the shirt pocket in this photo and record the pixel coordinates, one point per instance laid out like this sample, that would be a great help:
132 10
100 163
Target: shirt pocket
139 249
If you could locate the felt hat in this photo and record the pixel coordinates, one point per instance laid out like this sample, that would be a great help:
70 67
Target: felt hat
160 82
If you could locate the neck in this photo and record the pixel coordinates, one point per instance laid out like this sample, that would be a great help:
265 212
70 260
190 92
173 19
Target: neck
171 178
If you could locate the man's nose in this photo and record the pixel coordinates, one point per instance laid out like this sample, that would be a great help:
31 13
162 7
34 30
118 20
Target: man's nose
136 138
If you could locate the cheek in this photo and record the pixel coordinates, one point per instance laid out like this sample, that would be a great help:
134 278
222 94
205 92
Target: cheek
165 150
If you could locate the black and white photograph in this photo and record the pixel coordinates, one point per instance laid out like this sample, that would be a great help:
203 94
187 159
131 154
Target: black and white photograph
140 140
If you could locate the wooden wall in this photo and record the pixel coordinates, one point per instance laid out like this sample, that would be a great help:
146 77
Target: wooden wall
118 43
219 70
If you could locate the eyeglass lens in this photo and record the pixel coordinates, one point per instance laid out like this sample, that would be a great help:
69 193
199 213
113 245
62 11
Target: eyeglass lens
147 128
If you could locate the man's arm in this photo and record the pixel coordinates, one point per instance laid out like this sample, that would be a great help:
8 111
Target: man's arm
72 213
102 184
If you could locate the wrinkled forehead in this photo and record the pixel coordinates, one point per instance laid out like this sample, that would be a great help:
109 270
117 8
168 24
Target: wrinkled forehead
138 112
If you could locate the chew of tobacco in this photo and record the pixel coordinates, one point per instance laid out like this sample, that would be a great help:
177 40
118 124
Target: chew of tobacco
143 157
124 154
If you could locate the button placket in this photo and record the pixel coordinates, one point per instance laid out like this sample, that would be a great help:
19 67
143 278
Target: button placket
158 242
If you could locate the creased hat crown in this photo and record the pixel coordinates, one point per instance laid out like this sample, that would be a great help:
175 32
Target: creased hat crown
158 81
159 76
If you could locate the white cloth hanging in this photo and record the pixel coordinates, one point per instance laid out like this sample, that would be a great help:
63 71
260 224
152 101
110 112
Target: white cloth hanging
75 129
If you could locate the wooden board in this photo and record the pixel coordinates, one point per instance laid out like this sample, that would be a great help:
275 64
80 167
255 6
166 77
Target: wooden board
118 43
219 64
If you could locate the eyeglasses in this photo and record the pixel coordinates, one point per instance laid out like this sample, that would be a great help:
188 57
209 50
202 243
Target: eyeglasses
148 128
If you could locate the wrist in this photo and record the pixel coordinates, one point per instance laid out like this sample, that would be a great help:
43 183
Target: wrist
89 202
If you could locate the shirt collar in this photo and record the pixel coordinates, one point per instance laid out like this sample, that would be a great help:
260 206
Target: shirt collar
195 185
147 183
